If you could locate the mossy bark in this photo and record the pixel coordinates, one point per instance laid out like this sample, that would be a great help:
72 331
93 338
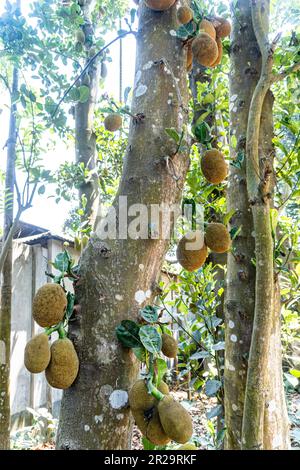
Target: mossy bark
6 281
94 412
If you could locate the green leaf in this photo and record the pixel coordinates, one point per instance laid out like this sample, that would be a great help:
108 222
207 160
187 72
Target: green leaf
62 261
173 134
150 338
202 132
212 387
199 355
228 216
220 346
161 369
295 373
128 334
42 189
70 305
149 314
84 93
214 412
140 353
147 444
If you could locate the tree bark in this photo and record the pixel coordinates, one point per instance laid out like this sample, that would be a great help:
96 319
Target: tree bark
119 276
6 281
85 138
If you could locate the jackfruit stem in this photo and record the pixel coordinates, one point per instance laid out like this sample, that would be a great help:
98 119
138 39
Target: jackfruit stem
154 391
61 331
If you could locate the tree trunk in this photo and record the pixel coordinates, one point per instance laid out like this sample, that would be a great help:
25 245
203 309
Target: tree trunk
85 139
119 276
6 281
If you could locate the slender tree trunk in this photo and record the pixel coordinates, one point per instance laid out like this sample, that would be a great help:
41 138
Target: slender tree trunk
85 138
119 276
6 281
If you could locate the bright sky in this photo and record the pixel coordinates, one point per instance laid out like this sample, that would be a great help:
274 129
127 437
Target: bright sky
45 212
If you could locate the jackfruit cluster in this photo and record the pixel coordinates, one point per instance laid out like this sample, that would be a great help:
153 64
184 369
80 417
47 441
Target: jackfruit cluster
159 5
49 305
214 166
64 364
192 258
113 122
217 238
159 421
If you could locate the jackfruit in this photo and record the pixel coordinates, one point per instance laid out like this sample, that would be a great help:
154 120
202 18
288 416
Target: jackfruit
208 28
214 166
169 346
189 59
220 54
64 364
223 27
184 15
80 36
150 426
159 5
192 259
217 237
140 399
175 420
113 122
187 447
49 305
37 354
205 49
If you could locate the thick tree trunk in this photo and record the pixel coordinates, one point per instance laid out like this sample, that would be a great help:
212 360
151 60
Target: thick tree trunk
6 281
119 276
85 139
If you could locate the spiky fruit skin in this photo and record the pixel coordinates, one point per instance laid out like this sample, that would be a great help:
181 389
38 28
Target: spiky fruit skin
205 49
208 28
191 259
175 420
64 364
37 354
220 54
113 122
49 305
169 346
187 447
184 15
189 59
214 166
223 27
159 5
217 238
150 426
140 399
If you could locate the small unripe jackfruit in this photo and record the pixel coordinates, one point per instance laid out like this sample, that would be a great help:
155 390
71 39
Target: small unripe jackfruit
214 166
187 447
193 258
80 36
217 237
150 426
37 354
184 15
113 122
208 28
159 5
169 346
140 399
49 305
220 54
175 420
223 27
205 49
64 364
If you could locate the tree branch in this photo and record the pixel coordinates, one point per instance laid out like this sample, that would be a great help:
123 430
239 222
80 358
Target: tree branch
281 76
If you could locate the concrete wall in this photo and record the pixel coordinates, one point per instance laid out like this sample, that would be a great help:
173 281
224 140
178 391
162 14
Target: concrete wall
29 390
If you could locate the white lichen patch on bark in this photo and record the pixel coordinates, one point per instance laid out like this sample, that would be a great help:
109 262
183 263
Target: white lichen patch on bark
141 90
233 338
231 324
98 419
118 399
234 407
2 353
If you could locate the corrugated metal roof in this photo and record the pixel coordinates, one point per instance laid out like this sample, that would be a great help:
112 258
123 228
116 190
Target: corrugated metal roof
34 239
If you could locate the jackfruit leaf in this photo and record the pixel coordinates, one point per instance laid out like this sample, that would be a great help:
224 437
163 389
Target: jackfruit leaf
150 338
211 387
62 261
295 373
198 14
149 314
214 412
171 132
199 355
184 31
70 305
84 93
228 216
237 163
220 438
202 132
220 346
140 353
147 444
162 368
128 334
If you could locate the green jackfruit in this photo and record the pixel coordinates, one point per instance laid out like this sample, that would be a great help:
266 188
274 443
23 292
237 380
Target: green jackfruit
159 5
49 305
113 122
192 257
175 420
217 238
64 364
169 346
214 166
140 399
37 353
150 426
